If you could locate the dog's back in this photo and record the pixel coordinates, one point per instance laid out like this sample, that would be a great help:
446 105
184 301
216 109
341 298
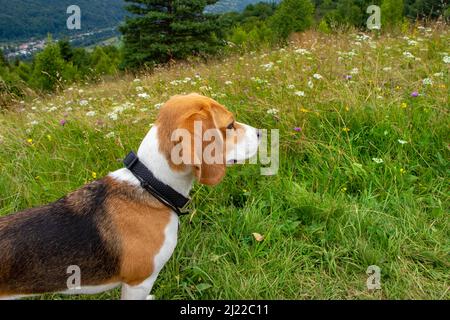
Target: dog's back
38 245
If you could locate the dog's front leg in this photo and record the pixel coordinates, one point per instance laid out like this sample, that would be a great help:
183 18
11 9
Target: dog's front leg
140 291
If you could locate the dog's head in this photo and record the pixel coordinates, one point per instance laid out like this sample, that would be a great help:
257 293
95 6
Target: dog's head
197 133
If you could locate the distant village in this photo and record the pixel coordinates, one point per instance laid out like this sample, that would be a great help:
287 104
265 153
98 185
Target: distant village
25 50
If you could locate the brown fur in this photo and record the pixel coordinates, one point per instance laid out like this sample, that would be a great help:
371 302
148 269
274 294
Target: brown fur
140 221
182 112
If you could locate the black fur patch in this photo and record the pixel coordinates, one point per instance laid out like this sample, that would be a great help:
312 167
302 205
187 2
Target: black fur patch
38 245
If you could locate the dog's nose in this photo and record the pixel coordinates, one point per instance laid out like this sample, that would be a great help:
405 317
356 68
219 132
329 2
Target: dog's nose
259 133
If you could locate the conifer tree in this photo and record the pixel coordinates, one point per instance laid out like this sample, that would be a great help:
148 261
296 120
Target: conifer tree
161 30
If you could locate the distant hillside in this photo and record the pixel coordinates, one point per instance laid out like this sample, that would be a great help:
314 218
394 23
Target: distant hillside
233 5
23 19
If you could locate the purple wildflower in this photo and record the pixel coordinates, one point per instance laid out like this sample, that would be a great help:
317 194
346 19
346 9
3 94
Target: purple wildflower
298 129
414 94
62 122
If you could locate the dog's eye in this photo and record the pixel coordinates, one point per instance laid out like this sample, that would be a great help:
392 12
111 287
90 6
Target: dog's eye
231 126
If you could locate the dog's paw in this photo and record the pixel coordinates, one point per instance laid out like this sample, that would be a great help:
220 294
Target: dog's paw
150 297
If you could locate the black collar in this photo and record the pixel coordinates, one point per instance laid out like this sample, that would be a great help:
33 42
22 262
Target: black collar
164 193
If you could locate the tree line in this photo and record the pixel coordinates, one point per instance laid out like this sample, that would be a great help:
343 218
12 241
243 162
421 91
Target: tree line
159 32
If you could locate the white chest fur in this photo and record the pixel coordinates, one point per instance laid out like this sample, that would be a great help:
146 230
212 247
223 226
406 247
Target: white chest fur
141 291
169 244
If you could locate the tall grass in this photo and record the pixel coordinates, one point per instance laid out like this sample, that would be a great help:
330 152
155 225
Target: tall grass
364 181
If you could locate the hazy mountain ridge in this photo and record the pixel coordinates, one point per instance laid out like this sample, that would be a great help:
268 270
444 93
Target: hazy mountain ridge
24 19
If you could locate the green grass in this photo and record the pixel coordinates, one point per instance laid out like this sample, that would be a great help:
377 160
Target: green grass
329 213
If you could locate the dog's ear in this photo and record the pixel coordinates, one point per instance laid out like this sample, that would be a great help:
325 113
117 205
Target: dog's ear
207 148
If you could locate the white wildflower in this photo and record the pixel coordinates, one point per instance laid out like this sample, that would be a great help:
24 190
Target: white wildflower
110 135
427 82
267 66
402 141
113 116
408 54
446 59
228 83
377 160
272 111
90 113
83 102
317 76
299 93
302 51
143 95
158 105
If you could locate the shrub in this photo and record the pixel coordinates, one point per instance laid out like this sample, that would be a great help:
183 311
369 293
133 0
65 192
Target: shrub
392 13
292 16
48 68
323 26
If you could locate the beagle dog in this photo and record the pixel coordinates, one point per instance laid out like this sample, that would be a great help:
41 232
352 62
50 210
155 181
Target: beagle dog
119 230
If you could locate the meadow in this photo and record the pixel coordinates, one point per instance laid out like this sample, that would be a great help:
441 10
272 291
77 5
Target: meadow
363 177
